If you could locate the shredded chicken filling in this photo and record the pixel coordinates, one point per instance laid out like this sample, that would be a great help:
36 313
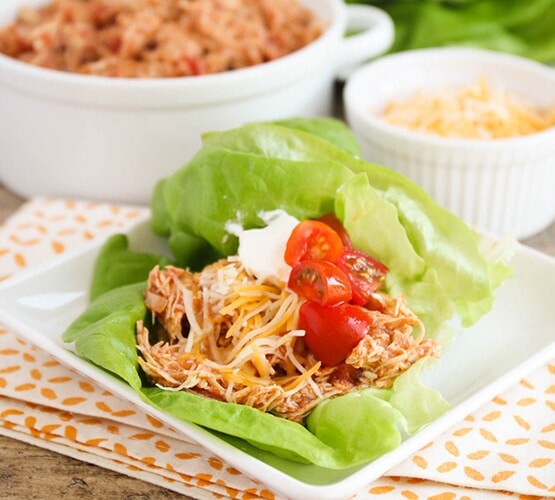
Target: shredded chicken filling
227 335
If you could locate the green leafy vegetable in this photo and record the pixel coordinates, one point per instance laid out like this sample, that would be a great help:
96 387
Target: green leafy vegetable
373 419
333 131
450 248
105 332
522 28
116 266
328 441
416 402
235 185
433 256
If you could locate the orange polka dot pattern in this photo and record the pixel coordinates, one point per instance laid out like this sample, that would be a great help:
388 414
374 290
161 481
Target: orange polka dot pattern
506 449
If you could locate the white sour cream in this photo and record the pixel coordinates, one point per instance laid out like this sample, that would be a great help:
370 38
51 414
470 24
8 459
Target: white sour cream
262 251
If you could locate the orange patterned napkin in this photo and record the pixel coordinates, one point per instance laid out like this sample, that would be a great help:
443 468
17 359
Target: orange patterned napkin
507 448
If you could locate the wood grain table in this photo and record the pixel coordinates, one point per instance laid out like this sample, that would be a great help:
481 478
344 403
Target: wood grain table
28 472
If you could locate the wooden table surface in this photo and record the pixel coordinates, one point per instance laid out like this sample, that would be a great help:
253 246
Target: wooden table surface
28 472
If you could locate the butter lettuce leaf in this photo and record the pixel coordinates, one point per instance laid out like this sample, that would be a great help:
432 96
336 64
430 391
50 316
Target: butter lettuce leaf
361 424
514 26
213 190
449 247
333 131
117 265
373 425
105 332
267 166
419 404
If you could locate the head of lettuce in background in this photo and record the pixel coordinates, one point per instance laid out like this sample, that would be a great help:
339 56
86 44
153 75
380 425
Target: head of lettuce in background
525 28
307 168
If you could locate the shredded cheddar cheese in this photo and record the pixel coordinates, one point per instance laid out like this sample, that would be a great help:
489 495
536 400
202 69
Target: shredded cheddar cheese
476 111
256 319
302 378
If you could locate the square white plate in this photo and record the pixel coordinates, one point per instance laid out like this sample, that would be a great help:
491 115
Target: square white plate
517 336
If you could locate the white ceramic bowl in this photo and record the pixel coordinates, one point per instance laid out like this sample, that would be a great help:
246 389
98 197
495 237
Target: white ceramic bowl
502 186
107 138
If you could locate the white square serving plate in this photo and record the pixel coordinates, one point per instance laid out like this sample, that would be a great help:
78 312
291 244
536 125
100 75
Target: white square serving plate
517 336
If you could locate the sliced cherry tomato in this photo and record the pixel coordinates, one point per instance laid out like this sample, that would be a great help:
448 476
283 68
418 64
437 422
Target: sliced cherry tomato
366 274
332 332
313 240
320 281
332 221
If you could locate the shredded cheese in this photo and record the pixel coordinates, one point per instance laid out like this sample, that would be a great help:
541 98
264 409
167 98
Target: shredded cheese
236 338
261 318
277 320
291 356
304 377
476 111
270 312
244 378
195 330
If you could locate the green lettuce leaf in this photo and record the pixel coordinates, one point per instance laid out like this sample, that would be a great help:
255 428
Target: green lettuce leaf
374 227
282 437
116 265
191 251
419 404
105 332
447 244
263 167
522 28
161 222
361 424
221 193
331 130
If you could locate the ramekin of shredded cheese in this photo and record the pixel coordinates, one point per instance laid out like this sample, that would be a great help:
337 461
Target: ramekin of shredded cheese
476 129
474 111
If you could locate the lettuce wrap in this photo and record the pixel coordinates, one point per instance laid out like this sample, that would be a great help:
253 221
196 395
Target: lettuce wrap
307 167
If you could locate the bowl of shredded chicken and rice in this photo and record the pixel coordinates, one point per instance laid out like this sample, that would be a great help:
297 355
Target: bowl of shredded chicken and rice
124 88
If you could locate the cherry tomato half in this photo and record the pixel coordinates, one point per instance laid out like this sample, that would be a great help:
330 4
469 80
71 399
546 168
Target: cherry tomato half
366 274
332 221
313 240
320 281
332 332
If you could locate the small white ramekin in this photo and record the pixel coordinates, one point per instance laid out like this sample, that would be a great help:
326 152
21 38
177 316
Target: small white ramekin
501 186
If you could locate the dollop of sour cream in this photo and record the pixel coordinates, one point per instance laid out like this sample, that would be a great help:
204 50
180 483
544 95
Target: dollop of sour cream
261 251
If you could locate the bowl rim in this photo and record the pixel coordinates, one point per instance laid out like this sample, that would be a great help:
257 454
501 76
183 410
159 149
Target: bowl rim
296 60
367 123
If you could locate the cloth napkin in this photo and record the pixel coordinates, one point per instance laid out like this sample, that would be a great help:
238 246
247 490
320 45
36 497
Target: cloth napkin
505 449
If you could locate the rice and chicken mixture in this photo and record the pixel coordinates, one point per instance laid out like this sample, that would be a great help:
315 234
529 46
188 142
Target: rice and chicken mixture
158 38
227 335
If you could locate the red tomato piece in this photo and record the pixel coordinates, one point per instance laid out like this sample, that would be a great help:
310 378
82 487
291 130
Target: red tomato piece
332 332
332 221
313 240
366 274
320 281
